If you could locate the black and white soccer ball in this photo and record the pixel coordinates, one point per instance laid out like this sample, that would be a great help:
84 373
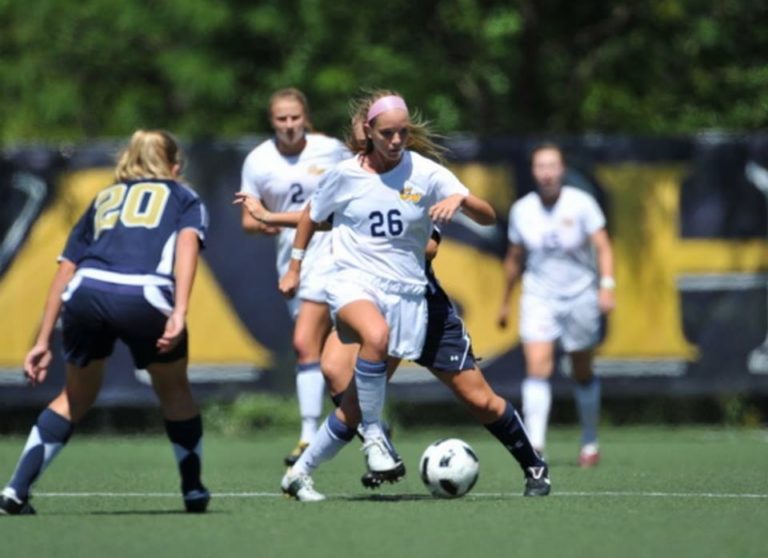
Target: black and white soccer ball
449 468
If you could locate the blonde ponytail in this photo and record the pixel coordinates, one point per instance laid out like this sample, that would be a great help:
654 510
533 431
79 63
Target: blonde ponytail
150 154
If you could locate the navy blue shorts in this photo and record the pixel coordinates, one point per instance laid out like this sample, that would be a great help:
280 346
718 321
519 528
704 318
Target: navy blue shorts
98 313
447 347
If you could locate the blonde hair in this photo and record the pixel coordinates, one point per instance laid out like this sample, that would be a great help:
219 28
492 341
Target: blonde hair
294 95
420 136
150 154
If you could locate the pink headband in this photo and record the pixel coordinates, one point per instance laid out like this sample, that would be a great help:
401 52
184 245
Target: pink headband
384 104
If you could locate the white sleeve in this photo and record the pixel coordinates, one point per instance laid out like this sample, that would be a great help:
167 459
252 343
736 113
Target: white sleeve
249 180
446 184
328 196
513 234
593 218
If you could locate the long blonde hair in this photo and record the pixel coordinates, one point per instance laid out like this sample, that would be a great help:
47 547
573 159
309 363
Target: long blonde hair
420 136
150 154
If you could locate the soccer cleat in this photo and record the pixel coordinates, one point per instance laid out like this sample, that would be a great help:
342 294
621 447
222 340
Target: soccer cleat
196 501
10 505
385 427
589 456
291 459
537 481
300 487
383 463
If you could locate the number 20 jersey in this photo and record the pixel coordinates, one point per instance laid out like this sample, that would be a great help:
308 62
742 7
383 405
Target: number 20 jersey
131 227
286 183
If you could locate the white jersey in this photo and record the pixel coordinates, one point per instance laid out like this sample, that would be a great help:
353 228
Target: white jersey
381 223
286 183
560 261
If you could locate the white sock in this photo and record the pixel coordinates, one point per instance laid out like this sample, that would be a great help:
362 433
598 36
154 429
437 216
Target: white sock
310 389
537 400
330 438
588 406
371 383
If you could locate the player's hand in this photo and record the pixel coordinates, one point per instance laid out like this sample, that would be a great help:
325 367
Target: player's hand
444 210
503 316
174 328
289 283
36 364
606 300
257 211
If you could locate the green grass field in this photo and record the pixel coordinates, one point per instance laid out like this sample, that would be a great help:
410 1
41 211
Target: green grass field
658 493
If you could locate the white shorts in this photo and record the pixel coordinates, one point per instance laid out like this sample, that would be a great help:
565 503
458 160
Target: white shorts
405 314
574 321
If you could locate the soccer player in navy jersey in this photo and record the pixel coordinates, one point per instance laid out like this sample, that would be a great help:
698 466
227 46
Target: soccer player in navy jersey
126 273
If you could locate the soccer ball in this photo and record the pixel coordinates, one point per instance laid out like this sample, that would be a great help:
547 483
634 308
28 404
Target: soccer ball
449 468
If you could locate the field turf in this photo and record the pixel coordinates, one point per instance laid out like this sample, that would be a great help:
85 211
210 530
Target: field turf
659 492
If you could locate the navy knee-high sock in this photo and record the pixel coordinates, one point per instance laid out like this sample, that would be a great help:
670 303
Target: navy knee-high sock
49 434
187 439
509 430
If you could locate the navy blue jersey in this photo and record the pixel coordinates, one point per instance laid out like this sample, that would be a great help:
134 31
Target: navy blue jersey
131 227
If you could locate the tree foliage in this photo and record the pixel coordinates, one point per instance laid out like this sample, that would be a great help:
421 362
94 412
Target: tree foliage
70 70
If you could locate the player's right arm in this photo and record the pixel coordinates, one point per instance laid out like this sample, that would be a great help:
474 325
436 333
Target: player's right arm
513 264
39 357
305 230
187 252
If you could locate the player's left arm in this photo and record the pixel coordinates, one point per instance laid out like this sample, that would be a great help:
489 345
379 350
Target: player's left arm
607 284
187 252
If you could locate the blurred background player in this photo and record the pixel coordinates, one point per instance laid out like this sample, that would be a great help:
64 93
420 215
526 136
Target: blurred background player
555 229
280 175
126 272
383 203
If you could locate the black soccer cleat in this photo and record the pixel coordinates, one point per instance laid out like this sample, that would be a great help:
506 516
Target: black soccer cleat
12 506
374 479
196 501
537 481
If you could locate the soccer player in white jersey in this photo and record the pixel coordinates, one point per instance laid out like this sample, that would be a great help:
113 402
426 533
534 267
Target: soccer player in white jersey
280 175
559 230
383 204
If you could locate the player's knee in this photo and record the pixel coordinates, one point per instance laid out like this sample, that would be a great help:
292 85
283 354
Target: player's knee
376 341
306 347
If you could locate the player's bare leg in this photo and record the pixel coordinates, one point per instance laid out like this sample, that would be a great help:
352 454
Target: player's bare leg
537 393
184 427
313 324
338 365
587 393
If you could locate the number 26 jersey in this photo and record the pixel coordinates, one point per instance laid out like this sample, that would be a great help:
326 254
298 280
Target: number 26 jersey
381 223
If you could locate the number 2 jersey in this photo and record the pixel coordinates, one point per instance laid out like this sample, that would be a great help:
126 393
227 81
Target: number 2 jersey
130 229
560 262
285 183
381 223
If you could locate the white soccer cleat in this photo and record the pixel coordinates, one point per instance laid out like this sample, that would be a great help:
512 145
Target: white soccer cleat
380 457
300 487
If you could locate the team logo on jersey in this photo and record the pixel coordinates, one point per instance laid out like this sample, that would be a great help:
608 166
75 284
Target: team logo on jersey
314 170
408 195
568 222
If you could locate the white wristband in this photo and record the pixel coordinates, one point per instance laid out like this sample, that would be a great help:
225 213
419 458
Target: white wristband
607 282
297 254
